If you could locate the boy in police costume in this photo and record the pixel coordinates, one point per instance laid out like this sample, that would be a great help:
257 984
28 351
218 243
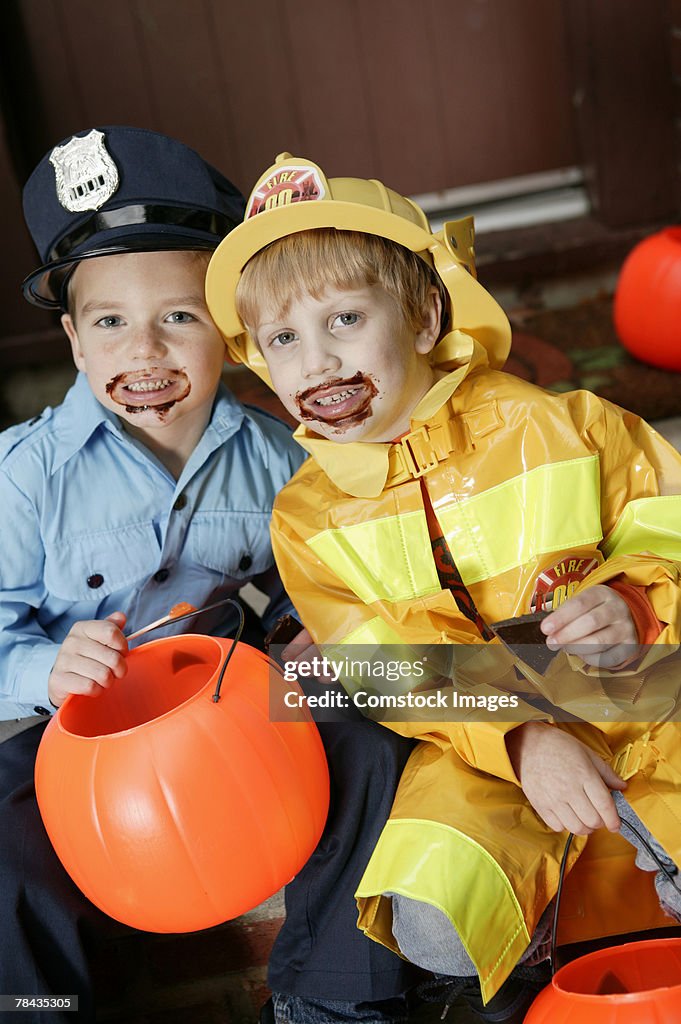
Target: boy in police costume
443 495
150 483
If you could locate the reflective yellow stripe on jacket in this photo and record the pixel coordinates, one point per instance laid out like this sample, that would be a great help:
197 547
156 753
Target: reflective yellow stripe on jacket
550 508
554 507
381 560
451 862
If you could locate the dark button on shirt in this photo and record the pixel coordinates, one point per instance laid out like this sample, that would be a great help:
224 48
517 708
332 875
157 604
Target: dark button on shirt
245 563
95 580
180 502
162 575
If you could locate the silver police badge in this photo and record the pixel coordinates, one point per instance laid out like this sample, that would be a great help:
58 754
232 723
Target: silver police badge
86 175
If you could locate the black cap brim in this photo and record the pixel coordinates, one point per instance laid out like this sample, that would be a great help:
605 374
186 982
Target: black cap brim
46 286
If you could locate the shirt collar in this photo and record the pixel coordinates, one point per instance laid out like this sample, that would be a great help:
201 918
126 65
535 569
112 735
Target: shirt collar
227 414
360 468
81 415
226 418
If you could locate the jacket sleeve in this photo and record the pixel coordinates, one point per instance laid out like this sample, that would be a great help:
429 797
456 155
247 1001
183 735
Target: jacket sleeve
640 515
26 652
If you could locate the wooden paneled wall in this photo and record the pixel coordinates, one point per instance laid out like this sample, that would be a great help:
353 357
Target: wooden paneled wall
425 95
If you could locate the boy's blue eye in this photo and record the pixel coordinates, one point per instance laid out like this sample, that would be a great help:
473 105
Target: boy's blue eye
110 321
346 319
180 317
283 338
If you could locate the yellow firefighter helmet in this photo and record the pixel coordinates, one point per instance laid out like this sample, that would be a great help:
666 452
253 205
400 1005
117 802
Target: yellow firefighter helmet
295 195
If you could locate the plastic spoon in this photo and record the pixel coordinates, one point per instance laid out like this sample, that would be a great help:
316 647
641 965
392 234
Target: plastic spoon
178 610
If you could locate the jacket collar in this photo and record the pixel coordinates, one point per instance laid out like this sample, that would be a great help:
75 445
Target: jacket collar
361 468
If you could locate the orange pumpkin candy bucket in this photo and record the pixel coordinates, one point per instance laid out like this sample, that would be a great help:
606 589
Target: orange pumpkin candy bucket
170 809
635 983
638 983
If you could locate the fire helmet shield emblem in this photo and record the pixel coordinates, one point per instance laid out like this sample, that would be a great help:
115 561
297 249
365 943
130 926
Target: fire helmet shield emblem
85 173
288 183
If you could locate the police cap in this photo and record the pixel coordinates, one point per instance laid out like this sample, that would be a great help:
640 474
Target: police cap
116 190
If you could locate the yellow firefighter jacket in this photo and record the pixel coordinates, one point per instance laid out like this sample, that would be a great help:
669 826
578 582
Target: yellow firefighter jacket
521 481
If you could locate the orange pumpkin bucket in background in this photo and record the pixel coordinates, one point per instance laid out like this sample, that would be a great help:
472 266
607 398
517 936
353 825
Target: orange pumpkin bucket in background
647 307
173 811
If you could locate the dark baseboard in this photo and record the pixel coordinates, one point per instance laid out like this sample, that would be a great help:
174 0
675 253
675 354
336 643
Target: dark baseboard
583 245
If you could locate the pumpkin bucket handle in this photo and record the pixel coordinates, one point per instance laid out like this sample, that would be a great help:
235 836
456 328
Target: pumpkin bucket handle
209 608
240 629
644 842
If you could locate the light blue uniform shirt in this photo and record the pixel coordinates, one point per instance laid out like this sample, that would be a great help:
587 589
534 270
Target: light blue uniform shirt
91 523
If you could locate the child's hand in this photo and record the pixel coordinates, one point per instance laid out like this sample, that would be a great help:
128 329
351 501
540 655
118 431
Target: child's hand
566 783
91 656
599 619
303 649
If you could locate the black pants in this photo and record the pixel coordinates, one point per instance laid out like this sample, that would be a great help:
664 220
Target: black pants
46 922
320 953
47 927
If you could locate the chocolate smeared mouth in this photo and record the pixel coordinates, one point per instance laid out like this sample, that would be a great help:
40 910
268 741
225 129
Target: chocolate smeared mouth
341 402
156 389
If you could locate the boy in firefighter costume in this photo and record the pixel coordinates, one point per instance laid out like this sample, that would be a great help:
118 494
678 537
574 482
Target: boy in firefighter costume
444 495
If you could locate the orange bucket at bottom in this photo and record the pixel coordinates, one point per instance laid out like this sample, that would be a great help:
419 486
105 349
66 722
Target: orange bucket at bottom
637 983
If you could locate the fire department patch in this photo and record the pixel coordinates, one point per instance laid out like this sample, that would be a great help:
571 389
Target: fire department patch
86 176
290 183
556 584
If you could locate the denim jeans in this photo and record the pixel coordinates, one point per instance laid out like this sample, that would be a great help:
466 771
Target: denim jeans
294 1010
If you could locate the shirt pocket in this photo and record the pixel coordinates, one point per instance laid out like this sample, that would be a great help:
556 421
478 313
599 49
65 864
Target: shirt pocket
93 565
235 544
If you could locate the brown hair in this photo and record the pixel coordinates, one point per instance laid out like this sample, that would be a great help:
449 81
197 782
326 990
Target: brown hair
307 262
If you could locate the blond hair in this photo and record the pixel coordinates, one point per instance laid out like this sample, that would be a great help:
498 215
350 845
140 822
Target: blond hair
307 262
